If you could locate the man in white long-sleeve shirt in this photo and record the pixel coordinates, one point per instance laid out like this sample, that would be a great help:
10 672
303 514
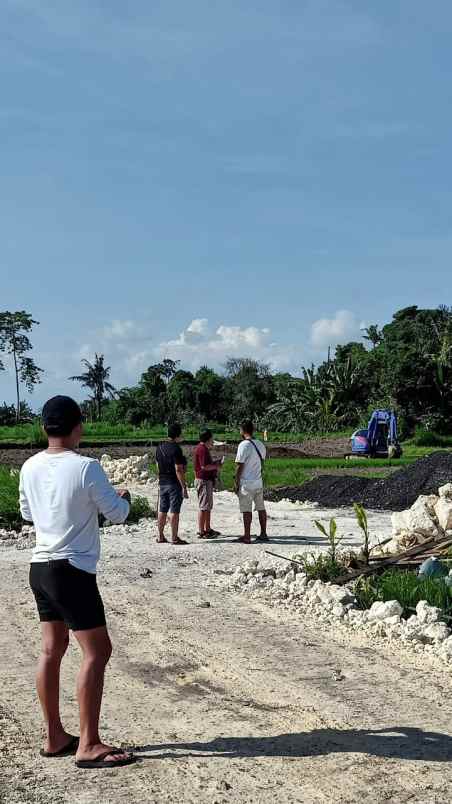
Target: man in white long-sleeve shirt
62 493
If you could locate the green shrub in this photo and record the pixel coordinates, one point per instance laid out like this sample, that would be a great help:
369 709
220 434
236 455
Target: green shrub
427 438
140 509
407 588
366 591
9 499
322 567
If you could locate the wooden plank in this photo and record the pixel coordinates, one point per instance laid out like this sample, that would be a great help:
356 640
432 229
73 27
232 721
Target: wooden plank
418 549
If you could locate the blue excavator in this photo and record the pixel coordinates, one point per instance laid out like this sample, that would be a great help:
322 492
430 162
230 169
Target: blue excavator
380 440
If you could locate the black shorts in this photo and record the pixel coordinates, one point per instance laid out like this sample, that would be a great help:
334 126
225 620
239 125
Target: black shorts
171 498
66 594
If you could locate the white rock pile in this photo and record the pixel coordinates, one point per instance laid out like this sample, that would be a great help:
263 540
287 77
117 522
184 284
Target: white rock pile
429 517
134 469
22 539
282 585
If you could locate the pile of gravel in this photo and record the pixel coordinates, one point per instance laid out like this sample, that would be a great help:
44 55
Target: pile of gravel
394 493
284 585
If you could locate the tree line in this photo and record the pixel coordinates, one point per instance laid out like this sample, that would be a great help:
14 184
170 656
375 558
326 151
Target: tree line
406 365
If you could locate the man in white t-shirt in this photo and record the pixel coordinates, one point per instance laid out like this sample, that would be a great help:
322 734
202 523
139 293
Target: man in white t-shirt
62 493
249 485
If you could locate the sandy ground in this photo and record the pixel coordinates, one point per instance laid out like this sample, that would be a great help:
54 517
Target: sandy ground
234 702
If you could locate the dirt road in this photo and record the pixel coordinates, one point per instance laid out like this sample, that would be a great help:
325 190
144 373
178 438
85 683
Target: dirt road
233 702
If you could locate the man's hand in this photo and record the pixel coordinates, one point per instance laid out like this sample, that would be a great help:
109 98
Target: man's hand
236 488
125 494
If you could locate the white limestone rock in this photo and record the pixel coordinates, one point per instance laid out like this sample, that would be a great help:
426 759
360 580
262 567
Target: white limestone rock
426 614
394 619
341 594
436 632
445 492
443 511
400 523
339 610
420 516
381 611
446 647
134 469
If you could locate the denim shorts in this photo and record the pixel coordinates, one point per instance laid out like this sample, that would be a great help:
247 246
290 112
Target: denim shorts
171 498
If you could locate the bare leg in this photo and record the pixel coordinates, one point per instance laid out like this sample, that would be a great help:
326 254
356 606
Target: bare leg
247 520
161 525
263 522
174 520
96 646
55 639
207 520
201 522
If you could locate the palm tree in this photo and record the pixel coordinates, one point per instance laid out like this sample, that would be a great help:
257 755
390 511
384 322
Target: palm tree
373 334
322 401
96 379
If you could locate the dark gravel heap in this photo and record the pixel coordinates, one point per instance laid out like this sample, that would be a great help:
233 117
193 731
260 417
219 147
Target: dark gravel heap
393 493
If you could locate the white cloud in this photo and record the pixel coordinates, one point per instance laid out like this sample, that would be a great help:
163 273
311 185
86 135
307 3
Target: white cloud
129 349
236 337
198 326
343 327
199 344
227 339
196 330
120 329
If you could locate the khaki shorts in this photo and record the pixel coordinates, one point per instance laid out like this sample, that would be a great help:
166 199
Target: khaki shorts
205 494
249 496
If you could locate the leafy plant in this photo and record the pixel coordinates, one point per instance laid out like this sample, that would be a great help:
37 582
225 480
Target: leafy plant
333 540
321 567
361 517
366 591
140 509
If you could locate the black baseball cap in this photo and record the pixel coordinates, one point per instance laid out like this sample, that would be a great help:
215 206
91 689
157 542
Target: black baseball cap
60 415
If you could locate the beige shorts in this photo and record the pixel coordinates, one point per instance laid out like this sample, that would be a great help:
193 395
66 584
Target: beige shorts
205 494
249 496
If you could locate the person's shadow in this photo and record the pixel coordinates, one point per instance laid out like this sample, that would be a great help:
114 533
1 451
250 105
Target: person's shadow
402 742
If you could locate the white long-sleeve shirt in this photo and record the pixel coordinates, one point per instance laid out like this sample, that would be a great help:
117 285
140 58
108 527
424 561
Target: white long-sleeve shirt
62 494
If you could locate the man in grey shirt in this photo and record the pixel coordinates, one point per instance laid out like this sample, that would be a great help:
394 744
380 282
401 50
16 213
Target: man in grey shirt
62 493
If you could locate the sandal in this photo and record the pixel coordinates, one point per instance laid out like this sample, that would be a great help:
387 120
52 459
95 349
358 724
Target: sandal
178 541
208 534
214 533
242 540
101 762
162 541
67 750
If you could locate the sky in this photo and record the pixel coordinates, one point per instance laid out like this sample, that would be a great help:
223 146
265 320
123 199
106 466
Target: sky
206 179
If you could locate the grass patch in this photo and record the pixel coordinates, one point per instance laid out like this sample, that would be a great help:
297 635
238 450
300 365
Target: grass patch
26 434
407 588
10 517
277 472
296 471
427 438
